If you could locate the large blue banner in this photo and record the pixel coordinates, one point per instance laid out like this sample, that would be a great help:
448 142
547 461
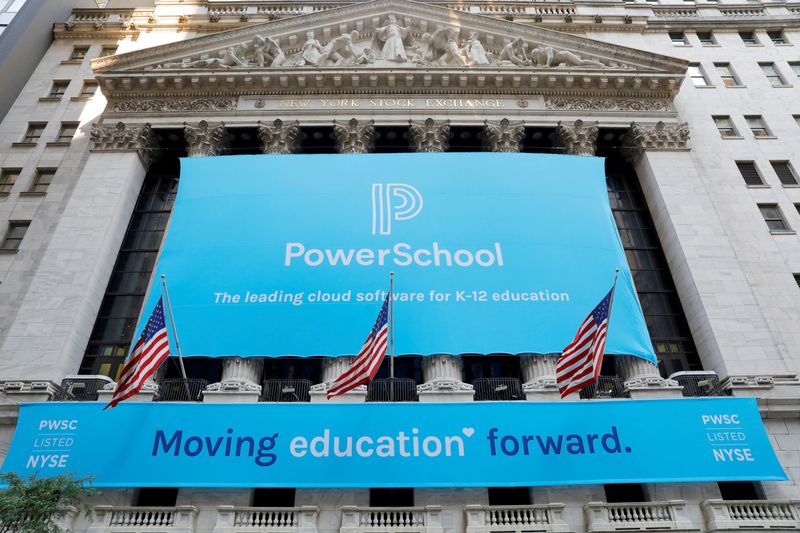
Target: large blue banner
396 444
290 255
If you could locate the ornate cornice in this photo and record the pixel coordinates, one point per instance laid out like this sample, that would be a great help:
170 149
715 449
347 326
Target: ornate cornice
429 135
279 137
567 103
122 138
658 137
503 135
354 136
171 105
580 138
205 140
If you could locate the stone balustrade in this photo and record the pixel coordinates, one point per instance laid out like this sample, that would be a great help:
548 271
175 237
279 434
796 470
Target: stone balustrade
515 518
426 519
639 516
119 519
751 515
232 519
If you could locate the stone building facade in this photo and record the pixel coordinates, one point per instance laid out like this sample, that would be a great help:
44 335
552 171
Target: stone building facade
695 105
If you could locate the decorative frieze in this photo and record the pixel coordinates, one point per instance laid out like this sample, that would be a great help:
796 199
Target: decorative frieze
579 138
169 105
568 103
354 137
429 135
122 138
279 137
205 140
503 136
658 137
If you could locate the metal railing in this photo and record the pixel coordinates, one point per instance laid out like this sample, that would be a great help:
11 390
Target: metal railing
606 387
497 389
392 390
80 388
181 390
699 383
286 390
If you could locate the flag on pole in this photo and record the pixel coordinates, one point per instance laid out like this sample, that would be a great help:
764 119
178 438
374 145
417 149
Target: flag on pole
150 351
580 362
366 363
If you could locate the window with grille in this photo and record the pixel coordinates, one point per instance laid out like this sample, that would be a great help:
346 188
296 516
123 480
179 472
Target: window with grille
773 216
785 172
706 38
66 132
757 125
678 38
34 132
8 177
748 37
14 235
725 126
749 173
772 74
42 180
108 51
795 65
58 89
776 37
727 75
89 88
697 76
79 53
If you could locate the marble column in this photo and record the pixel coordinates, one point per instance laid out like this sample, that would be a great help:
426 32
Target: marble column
355 136
578 138
240 383
205 139
332 368
429 135
503 135
643 380
279 137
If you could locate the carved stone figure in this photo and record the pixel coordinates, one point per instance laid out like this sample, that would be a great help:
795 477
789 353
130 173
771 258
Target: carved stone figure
513 53
390 41
340 51
547 56
474 52
266 52
230 57
311 52
443 48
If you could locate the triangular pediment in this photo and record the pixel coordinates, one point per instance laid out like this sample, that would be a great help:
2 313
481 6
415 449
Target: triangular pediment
397 38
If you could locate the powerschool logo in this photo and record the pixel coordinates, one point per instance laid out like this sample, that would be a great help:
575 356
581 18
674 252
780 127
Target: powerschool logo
391 203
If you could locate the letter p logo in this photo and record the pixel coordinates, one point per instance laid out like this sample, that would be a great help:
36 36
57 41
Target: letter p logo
393 201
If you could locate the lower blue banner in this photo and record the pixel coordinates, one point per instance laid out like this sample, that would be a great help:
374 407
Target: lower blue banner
396 444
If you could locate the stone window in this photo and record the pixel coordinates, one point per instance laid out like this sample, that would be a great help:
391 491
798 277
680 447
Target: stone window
58 89
109 50
796 119
510 496
740 490
757 125
772 74
66 132
14 235
774 218
8 177
795 66
42 180
749 173
678 38
785 172
273 498
626 493
726 73
706 38
34 132
391 497
89 88
157 497
697 75
776 37
79 53
748 37
725 126
797 276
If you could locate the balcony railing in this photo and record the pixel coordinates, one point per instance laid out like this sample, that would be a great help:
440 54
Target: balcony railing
644 516
699 383
80 388
497 389
515 518
605 388
232 519
723 515
181 390
109 519
392 390
392 519
286 390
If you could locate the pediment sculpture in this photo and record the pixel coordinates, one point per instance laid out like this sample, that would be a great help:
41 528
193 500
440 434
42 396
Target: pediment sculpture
392 44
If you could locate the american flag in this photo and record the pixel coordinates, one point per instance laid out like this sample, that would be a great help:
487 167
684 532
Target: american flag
580 362
150 351
366 363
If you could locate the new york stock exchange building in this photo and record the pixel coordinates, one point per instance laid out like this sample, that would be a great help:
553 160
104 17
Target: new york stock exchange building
254 170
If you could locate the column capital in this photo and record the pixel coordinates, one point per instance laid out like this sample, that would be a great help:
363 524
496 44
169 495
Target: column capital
279 137
354 136
204 139
658 137
429 135
642 378
579 138
503 135
123 138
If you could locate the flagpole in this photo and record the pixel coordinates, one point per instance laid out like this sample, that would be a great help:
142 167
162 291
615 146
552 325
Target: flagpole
175 334
611 302
391 336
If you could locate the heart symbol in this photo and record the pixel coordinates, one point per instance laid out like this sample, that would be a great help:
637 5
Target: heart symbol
468 431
